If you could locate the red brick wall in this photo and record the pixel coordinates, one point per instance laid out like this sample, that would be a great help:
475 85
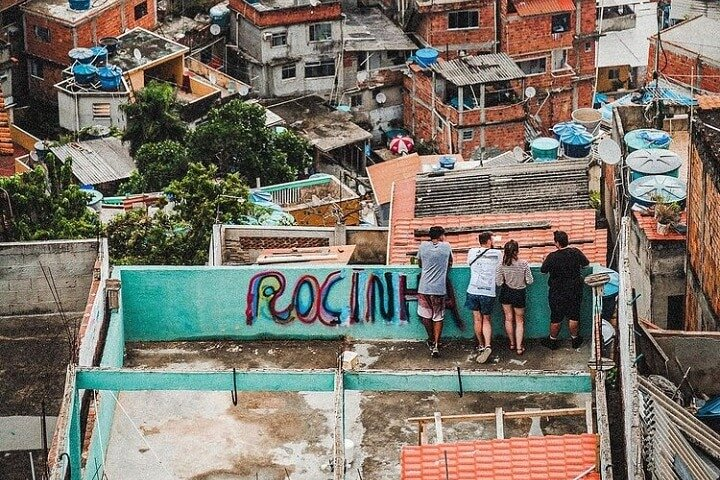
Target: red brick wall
61 39
433 29
43 88
501 137
680 65
287 16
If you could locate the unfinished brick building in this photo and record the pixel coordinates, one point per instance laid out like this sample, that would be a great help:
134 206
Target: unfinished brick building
52 29
688 55
703 210
552 42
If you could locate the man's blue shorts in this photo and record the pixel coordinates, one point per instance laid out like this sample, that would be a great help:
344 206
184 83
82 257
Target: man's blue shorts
480 303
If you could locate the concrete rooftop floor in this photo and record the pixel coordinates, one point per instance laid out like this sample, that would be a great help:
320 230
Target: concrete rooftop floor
270 435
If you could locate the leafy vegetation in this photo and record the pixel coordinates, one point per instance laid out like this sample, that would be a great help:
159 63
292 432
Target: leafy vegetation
158 164
44 204
182 236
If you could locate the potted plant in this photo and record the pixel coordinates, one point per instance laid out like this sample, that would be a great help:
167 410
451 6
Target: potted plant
666 215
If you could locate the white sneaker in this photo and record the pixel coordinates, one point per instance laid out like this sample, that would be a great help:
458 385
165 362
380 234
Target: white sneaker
483 355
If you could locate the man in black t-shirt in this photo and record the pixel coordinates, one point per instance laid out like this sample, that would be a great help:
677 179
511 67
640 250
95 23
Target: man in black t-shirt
566 288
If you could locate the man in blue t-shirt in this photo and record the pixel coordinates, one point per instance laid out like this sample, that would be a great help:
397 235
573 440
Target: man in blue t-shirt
435 259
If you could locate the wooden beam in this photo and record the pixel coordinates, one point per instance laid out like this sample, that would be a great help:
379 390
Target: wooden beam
494 227
558 412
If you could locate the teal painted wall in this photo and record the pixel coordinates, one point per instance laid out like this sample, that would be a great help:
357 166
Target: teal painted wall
193 303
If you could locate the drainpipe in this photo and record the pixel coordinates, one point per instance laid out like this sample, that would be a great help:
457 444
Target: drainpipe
497 26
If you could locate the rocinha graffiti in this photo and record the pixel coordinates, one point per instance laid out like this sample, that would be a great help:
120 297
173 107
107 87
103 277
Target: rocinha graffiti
342 297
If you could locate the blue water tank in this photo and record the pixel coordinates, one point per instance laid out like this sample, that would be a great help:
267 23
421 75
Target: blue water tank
563 127
671 189
80 5
84 73
100 54
426 57
81 55
110 76
220 15
576 143
653 161
447 162
544 149
647 138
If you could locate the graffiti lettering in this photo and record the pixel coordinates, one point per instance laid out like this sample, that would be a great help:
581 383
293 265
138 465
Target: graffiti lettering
365 297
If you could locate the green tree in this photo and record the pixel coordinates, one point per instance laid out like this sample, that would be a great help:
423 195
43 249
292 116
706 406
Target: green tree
45 204
236 139
153 117
158 164
181 237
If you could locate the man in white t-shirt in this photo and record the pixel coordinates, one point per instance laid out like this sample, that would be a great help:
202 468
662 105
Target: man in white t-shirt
483 263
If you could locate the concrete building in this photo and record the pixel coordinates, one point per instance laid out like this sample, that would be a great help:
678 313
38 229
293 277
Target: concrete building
286 47
657 272
703 250
198 86
615 15
688 55
52 29
623 53
291 397
467 105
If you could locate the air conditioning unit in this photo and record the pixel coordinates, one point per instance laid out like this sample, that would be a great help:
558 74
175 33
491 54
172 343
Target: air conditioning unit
267 36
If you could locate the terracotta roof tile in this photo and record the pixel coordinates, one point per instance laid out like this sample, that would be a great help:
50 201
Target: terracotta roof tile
648 224
383 174
544 458
579 225
709 102
527 8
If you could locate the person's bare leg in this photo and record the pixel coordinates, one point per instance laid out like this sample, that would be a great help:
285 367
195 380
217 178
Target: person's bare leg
437 331
519 329
574 327
555 330
427 323
477 326
487 330
509 325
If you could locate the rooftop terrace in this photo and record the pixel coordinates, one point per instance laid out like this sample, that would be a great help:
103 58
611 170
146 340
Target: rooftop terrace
220 373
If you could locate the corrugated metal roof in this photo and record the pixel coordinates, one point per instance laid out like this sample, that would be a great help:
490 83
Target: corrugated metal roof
474 69
368 29
528 8
97 161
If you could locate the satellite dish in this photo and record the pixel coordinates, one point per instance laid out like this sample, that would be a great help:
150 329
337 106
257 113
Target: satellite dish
518 154
243 90
212 78
530 92
361 189
215 29
609 151
362 75
380 98
137 54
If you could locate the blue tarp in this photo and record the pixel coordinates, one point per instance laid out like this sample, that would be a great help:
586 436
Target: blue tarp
268 212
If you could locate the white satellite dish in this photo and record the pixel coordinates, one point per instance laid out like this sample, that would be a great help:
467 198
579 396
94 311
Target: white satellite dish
137 54
215 29
243 90
380 98
530 92
362 75
361 189
609 151
518 154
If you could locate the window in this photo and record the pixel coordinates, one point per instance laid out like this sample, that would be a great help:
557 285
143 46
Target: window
560 23
42 33
279 39
141 10
288 71
533 66
463 19
36 68
323 68
356 100
319 32
614 74
101 111
467 134
588 46
559 59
